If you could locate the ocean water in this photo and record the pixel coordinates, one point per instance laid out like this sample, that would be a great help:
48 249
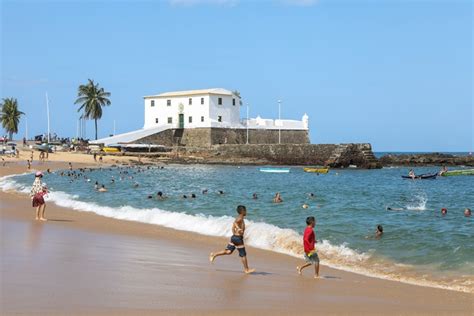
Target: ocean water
379 154
419 245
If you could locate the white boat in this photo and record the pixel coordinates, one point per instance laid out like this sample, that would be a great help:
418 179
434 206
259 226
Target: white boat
275 170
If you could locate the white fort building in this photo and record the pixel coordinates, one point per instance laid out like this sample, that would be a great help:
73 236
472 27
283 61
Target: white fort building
207 117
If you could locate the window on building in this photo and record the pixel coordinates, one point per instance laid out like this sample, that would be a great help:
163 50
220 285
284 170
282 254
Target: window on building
168 102
202 100
219 118
170 120
190 119
190 101
152 102
219 101
202 118
156 120
233 101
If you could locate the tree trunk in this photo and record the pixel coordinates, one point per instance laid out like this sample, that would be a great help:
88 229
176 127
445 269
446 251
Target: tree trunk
95 120
10 136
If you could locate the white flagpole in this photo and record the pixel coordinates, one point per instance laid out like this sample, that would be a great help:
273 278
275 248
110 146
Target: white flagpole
114 127
247 123
26 127
279 123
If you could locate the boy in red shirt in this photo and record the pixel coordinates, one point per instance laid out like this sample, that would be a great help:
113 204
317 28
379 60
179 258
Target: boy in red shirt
310 254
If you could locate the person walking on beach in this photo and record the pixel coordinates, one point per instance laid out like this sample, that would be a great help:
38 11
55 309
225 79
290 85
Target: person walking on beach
236 241
37 193
310 254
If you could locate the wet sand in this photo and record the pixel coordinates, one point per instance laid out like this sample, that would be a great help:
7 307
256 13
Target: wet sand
82 263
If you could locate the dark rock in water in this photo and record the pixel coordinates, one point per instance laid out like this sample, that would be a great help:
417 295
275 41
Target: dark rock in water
431 159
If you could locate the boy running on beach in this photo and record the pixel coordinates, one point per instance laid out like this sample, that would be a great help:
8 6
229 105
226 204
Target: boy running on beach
236 241
310 254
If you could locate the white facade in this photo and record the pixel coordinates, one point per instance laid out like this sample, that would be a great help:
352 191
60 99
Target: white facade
193 108
206 108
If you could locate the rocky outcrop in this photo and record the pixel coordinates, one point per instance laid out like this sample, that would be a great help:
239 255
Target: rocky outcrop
432 159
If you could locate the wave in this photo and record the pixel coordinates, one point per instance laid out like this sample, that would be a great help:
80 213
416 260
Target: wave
258 234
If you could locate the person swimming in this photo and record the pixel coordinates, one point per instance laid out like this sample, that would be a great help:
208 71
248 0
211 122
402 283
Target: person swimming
255 196
102 189
205 191
160 196
193 196
378 232
277 198
467 212
220 192
305 206
394 208
444 211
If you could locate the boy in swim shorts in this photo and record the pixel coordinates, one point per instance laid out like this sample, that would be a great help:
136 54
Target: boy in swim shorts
310 254
236 241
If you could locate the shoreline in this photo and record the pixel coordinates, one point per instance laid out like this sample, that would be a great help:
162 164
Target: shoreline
266 261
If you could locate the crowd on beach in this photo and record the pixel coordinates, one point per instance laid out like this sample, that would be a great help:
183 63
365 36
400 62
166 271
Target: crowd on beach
39 190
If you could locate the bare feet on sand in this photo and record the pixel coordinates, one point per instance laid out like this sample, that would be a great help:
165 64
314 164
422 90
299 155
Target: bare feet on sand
211 258
43 219
298 269
249 271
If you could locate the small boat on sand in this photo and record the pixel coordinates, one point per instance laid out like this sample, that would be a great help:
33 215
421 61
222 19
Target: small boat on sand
425 176
316 170
460 172
275 170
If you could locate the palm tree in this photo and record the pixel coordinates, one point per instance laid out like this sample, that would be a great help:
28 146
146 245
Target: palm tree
92 98
10 116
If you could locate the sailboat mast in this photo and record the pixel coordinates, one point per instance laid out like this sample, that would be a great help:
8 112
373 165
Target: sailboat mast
47 112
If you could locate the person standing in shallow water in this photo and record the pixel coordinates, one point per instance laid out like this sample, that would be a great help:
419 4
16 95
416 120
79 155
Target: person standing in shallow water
38 190
236 241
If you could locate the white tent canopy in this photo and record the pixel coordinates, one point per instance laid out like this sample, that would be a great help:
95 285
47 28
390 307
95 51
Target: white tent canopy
129 137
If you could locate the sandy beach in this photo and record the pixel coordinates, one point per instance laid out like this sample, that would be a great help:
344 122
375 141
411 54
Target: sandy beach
82 263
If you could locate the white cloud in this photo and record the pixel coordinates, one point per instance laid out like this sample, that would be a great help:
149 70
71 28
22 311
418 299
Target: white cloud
187 3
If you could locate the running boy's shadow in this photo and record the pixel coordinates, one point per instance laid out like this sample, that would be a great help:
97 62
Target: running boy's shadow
261 273
329 277
240 272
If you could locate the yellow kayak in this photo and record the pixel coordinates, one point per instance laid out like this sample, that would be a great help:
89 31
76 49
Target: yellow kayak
316 170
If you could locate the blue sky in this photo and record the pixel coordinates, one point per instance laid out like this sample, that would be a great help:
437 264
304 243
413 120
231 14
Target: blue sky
397 74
